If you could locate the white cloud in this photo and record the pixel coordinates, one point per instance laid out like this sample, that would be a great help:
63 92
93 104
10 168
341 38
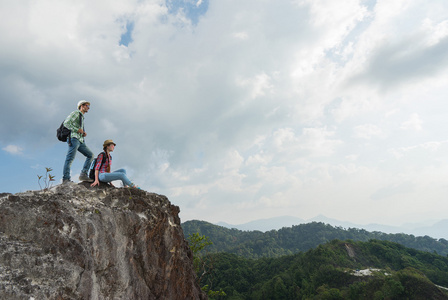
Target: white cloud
367 131
319 142
429 148
277 200
233 160
352 106
259 159
13 149
413 123
435 32
260 85
241 35
248 107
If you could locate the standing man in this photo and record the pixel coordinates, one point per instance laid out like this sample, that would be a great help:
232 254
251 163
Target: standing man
75 122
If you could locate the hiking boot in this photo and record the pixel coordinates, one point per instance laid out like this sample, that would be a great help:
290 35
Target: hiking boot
84 177
64 181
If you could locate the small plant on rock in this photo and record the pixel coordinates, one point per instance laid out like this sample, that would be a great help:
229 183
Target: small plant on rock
47 179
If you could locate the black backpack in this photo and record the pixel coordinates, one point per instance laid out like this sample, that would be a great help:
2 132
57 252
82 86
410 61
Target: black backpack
63 133
92 167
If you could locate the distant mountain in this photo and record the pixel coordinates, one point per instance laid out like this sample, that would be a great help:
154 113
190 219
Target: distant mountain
265 224
433 229
439 229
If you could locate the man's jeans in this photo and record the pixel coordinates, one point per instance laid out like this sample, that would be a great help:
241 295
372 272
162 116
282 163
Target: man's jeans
116 175
76 145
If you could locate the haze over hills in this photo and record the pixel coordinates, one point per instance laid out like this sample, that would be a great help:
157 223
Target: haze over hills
434 229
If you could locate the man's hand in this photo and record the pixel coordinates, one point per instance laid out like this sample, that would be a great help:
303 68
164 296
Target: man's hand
82 132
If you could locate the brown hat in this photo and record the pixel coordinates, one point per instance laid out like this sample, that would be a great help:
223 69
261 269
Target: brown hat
108 142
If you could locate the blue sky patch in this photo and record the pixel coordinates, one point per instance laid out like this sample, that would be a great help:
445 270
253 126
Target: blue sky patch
193 9
126 37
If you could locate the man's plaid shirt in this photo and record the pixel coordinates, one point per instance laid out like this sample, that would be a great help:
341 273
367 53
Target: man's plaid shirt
72 123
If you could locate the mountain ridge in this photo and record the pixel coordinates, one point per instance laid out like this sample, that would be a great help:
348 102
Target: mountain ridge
436 229
290 240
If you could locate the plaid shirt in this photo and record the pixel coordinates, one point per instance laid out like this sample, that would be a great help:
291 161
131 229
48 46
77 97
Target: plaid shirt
106 164
72 123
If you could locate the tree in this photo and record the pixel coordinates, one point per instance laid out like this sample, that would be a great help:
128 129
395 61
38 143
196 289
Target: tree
202 266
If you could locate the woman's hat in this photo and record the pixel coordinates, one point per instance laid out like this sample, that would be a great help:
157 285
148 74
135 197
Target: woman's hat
82 102
108 142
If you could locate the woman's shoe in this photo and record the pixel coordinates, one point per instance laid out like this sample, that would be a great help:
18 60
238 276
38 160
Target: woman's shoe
134 186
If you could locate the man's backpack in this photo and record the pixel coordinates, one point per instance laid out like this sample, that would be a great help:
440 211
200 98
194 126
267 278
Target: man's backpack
92 167
63 133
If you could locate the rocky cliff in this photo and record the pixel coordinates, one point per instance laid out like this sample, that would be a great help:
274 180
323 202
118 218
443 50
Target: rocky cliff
77 242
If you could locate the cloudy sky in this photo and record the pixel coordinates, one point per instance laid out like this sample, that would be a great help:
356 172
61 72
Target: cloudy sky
238 110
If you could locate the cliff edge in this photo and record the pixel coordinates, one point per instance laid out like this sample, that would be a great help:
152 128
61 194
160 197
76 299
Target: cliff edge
77 242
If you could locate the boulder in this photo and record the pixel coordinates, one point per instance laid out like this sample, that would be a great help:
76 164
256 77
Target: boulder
77 242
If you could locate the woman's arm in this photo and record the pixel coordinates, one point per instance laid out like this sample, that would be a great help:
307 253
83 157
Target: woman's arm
97 167
97 181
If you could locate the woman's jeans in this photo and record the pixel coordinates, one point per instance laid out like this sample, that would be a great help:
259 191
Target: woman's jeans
76 145
116 175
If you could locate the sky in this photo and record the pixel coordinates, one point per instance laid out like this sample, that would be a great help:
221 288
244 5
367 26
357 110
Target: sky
237 110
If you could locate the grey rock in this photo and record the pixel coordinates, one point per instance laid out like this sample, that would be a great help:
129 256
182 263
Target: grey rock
77 242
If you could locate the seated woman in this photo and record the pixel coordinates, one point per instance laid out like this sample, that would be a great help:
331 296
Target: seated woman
102 170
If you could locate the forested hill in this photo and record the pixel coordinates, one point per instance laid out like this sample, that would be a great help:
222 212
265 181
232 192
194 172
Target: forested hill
290 240
335 270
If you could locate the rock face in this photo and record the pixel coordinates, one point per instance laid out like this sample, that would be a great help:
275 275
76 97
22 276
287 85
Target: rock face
77 242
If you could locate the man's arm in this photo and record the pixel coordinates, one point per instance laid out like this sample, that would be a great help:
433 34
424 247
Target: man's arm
73 122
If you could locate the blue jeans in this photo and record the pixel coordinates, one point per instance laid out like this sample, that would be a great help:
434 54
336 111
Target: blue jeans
116 175
76 145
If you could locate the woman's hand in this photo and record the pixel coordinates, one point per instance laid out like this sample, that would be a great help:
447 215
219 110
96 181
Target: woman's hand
97 179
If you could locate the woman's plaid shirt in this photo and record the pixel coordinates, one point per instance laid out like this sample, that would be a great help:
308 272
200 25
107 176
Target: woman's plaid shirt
106 164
